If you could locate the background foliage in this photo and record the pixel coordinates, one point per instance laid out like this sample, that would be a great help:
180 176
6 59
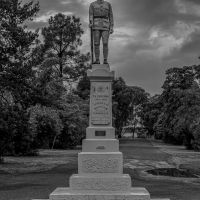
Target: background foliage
38 105
174 115
44 89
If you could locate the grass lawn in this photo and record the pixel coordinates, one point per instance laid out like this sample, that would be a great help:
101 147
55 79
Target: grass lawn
35 177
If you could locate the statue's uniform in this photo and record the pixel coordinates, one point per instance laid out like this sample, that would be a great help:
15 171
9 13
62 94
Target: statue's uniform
101 16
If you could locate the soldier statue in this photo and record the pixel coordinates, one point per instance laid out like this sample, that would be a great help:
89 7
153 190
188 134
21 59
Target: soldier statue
101 24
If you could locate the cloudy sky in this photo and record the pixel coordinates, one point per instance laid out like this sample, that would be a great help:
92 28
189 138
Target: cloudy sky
150 36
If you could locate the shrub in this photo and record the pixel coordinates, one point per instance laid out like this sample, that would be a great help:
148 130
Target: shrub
14 132
196 136
46 124
74 113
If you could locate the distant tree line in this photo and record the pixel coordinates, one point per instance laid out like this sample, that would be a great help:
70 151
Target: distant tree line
174 116
127 104
39 105
44 89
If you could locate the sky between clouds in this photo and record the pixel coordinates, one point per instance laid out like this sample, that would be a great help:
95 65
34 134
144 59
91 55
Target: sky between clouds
150 36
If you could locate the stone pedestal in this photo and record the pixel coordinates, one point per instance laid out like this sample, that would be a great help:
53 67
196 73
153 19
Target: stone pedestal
100 164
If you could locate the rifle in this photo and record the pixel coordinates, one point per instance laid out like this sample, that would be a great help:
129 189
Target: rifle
92 44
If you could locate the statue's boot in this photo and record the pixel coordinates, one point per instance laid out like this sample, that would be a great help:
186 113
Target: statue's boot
97 62
105 61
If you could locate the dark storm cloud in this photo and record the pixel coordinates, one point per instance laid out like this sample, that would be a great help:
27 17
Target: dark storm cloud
147 14
188 52
193 1
192 45
61 6
144 12
150 35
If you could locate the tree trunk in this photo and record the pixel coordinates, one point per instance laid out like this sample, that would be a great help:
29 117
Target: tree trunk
133 132
54 140
61 68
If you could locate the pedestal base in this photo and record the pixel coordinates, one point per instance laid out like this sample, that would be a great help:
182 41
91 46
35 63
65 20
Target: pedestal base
90 163
100 165
107 133
100 145
101 182
68 194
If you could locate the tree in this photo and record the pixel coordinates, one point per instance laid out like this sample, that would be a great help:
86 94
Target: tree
46 124
57 107
180 112
150 110
120 105
15 49
178 81
61 40
6 130
186 121
59 65
126 102
16 139
74 113
48 86
138 98
83 88
16 75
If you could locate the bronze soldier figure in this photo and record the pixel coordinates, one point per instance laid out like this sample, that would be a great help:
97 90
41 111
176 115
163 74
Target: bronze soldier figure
101 22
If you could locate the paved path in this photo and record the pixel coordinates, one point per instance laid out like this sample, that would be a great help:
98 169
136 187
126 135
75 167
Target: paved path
144 151
39 185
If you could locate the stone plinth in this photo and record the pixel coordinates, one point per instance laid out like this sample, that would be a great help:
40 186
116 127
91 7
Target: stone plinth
100 164
101 73
108 162
101 102
100 132
100 145
99 182
68 194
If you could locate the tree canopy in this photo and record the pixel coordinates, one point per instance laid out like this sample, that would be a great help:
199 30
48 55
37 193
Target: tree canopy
126 101
15 49
62 37
174 115
38 106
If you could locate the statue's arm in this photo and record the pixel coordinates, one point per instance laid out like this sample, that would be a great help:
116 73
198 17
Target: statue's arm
91 14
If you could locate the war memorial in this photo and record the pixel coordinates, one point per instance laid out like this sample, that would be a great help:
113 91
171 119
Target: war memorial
100 164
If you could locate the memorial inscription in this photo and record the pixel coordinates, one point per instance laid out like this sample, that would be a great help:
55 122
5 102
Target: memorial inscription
100 133
101 148
101 165
100 107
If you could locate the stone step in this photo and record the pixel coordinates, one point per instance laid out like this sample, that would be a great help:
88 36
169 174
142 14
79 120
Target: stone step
68 194
108 182
122 199
100 145
111 162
